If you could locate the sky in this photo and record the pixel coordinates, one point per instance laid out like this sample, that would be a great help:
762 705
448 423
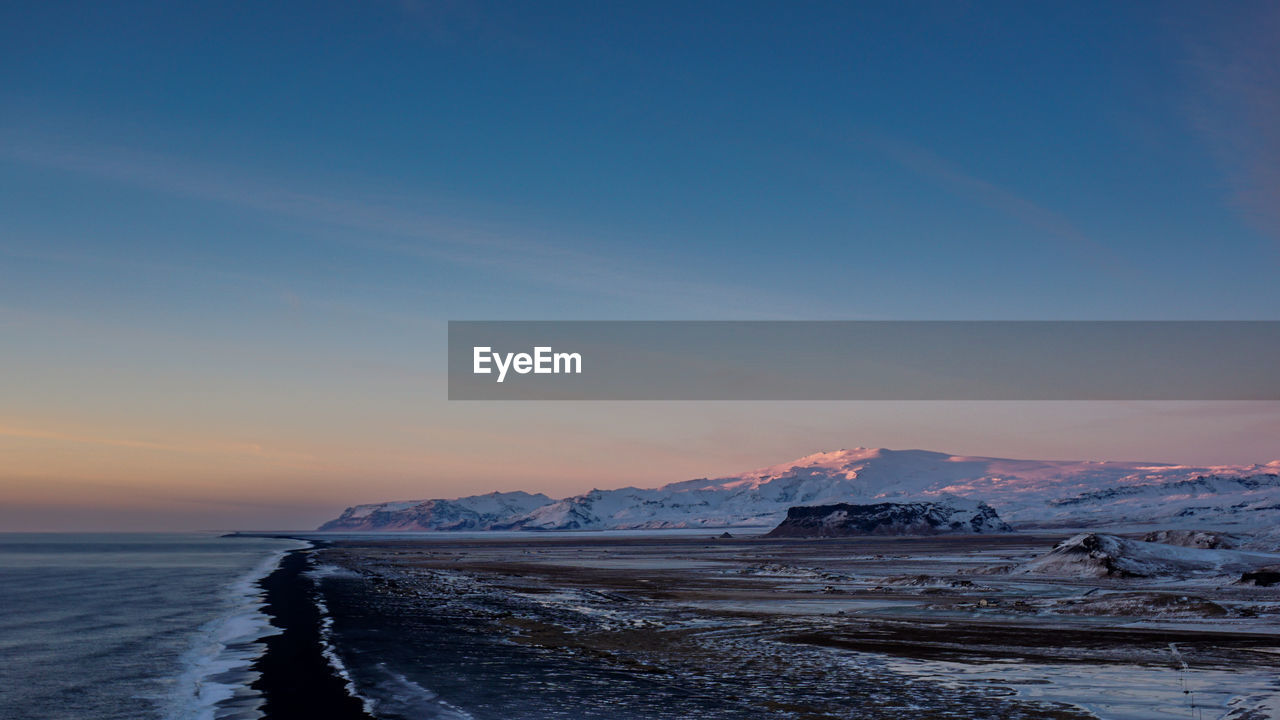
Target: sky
231 233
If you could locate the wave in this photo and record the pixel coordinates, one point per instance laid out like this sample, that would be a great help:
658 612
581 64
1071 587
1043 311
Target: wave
216 677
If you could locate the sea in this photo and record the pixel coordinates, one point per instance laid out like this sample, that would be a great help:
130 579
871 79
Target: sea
132 626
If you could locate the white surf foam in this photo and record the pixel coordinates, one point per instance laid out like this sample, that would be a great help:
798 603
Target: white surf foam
217 670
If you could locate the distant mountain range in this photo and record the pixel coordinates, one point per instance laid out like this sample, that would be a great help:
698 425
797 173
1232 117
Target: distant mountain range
1026 493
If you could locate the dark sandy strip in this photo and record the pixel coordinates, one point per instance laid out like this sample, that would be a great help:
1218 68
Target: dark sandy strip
296 680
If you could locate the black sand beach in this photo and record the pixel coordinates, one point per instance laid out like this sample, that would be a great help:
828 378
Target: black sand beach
296 679
664 628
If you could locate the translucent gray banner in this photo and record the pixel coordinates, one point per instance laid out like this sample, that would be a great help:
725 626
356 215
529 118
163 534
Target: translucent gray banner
864 360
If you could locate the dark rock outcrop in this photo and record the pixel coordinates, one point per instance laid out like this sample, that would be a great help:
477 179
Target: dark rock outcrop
1262 577
915 518
1204 539
1100 555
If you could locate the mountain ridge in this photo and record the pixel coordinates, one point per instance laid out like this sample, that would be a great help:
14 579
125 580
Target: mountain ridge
1026 493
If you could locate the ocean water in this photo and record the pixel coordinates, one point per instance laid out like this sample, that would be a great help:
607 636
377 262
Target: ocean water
131 626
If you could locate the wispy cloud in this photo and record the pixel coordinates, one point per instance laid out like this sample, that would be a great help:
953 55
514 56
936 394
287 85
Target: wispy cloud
1052 225
1234 102
400 230
251 450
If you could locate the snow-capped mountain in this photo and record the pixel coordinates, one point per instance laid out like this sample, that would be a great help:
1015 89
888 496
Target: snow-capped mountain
478 512
948 515
1024 492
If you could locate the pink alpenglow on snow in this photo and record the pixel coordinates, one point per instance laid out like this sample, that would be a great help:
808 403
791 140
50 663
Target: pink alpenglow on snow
1025 493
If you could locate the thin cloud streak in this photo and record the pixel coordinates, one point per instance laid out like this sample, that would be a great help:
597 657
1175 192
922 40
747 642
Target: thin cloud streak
951 177
1234 103
253 450
424 237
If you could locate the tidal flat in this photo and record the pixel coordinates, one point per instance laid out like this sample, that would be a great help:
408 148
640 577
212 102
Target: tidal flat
661 625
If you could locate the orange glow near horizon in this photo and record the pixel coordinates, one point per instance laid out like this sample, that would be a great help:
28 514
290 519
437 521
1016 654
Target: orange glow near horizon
200 475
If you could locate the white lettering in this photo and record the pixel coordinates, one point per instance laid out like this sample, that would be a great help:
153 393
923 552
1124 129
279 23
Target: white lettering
572 363
543 361
504 363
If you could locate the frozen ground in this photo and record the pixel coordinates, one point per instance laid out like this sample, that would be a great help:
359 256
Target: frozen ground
674 626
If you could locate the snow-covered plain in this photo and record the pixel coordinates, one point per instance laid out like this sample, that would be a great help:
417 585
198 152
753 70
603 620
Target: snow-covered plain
1026 494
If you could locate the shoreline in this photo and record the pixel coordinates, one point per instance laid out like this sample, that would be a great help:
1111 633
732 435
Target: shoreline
295 678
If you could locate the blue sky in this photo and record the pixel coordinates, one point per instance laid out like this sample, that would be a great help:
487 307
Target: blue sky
220 220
